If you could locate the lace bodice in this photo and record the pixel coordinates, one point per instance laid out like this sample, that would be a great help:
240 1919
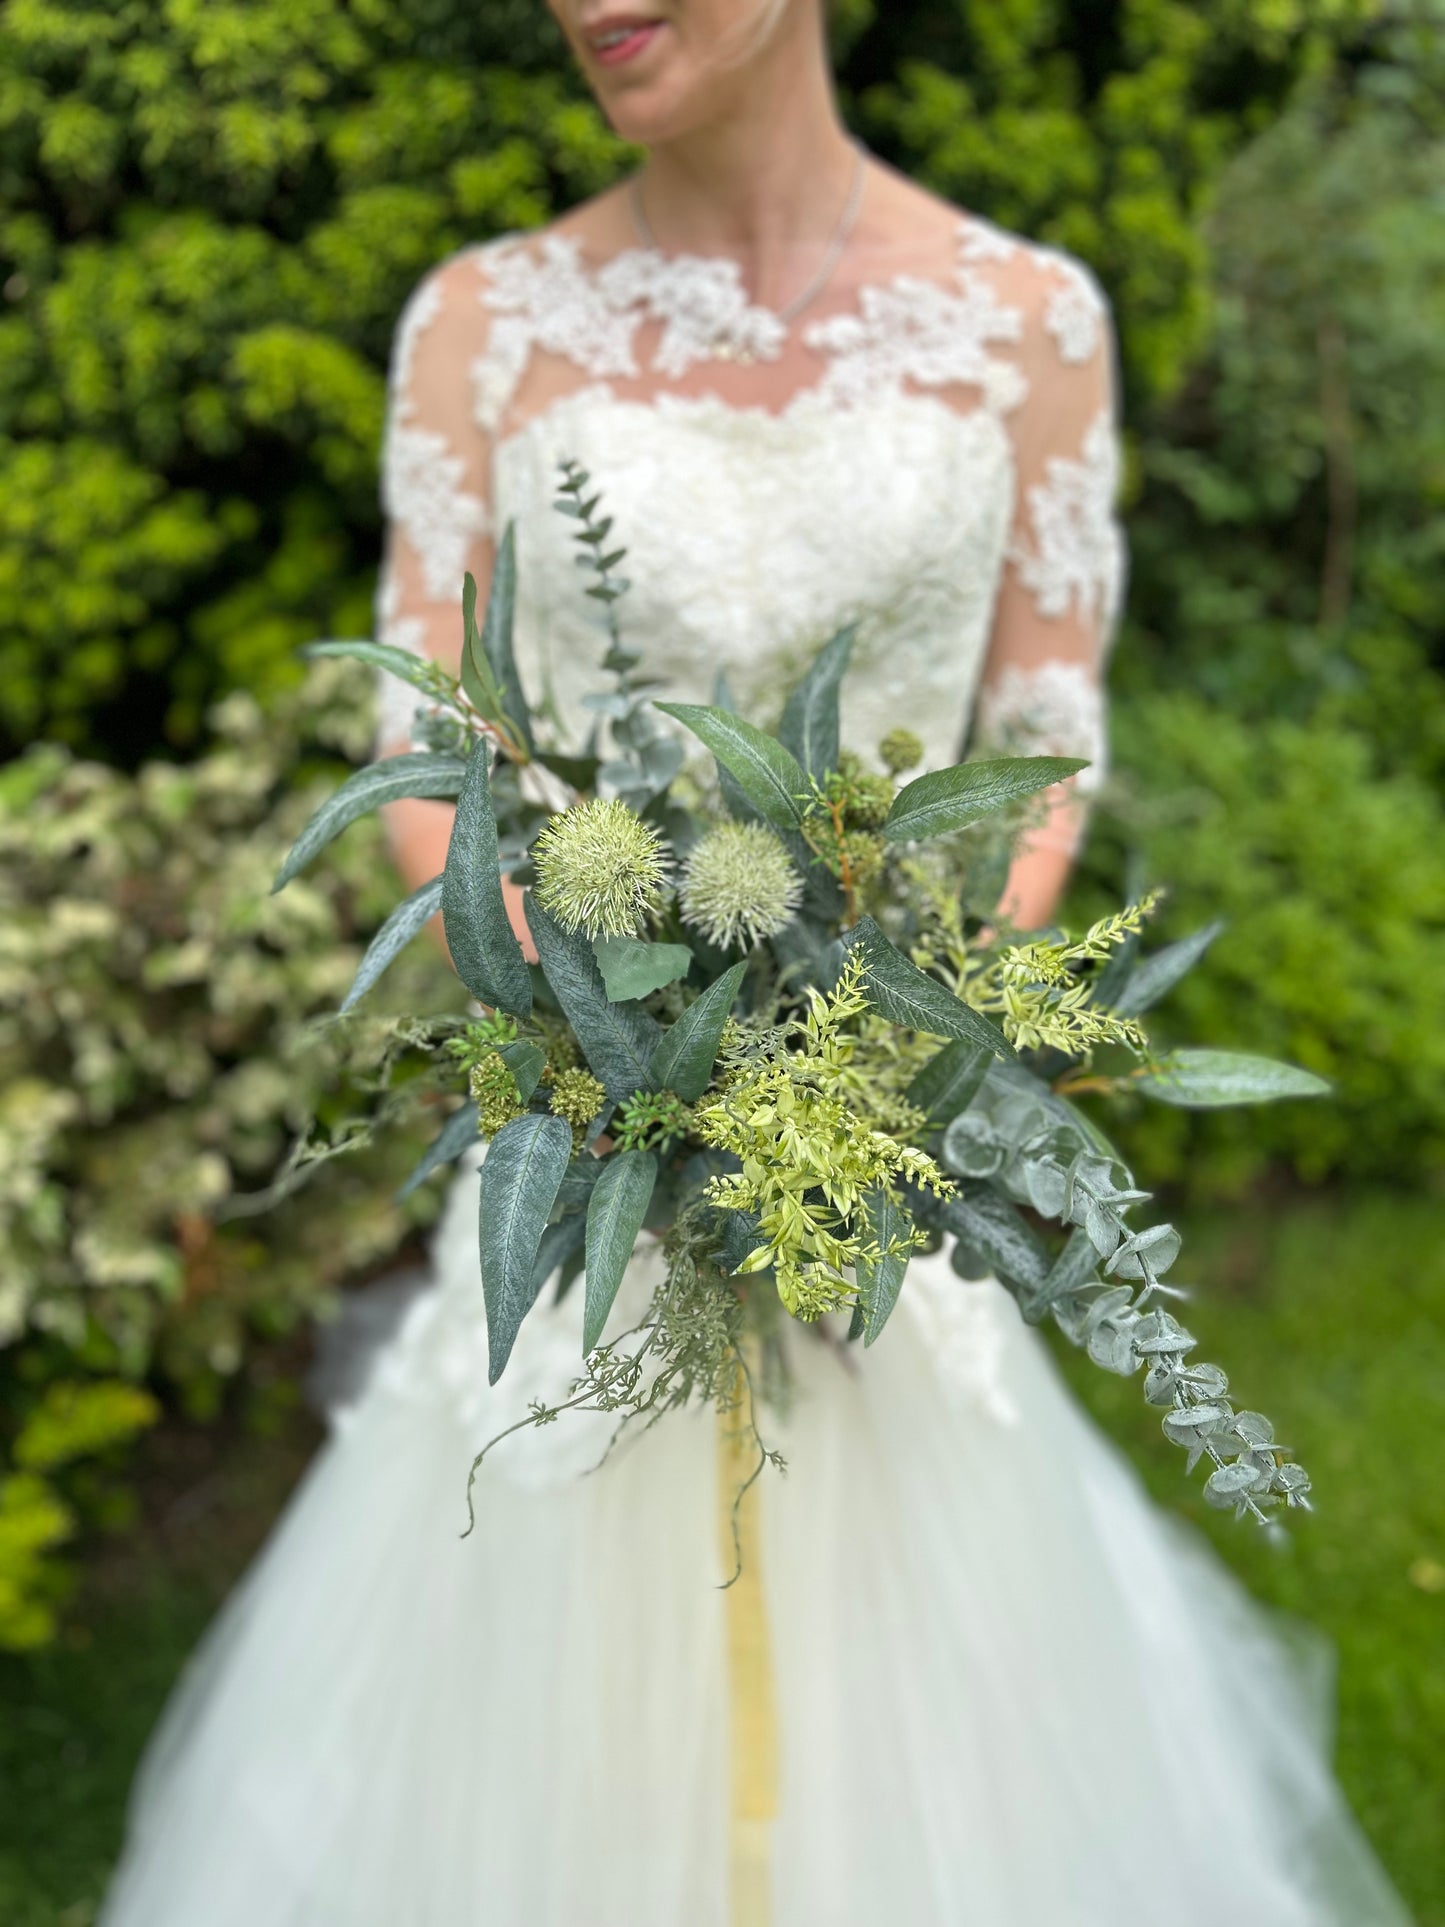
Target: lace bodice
935 458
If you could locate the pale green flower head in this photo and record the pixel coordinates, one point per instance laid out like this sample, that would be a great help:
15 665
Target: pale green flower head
600 869
740 885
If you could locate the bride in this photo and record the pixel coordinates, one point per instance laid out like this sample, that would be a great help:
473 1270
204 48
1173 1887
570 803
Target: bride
1005 1692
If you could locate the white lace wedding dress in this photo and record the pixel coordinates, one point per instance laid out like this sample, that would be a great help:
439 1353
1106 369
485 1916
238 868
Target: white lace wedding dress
1008 1692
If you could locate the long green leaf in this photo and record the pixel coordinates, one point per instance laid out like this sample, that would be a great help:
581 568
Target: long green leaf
479 679
615 1213
409 916
419 671
770 776
1157 975
559 1242
417 773
521 1174
485 953
497 626
906 995
617 1039
880 1283
991 1226
459 1131
687 1050
948 1083
1207 1080
809 728
950 799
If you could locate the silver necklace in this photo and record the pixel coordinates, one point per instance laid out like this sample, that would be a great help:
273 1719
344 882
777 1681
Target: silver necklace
726 344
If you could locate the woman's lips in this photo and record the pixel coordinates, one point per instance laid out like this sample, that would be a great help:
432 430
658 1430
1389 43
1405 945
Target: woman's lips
613 46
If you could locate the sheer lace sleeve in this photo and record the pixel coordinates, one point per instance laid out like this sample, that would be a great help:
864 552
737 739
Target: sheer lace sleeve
434 480
1066 564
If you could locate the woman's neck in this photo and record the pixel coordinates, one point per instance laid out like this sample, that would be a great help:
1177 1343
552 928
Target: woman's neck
764 183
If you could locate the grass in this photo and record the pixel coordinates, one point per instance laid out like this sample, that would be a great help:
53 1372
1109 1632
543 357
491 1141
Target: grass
1330 1314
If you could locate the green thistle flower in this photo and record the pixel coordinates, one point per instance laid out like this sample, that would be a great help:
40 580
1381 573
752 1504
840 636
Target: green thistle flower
740 885
576 1097
900 750
494 1091
600 869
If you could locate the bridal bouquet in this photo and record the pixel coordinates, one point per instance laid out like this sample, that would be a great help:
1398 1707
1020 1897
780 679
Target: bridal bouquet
773 1023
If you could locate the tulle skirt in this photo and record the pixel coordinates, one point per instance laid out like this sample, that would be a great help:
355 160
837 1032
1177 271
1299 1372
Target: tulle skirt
1008 1692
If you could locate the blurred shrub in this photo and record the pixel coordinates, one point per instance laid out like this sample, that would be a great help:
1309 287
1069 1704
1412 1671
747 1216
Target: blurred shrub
156 1062
1329 870
210 217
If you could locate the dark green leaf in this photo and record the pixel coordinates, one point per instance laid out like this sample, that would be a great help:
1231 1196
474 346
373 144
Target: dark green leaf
614 1217
992 1227
479 679
906 995
879 1284
687 1050
497 626
617 1039
409 916
521 1174
1157 975
770 777
526 1062
459 1131
950 799
485 953
559 1242
417 773
809 728
1206 1080
631 968
949 1082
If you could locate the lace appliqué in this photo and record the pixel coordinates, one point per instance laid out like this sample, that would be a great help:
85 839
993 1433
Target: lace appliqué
421 481
1075 558
1054 708
915 331
543 296
1076 309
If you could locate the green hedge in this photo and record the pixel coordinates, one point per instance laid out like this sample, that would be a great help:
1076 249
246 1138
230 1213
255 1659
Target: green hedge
212 216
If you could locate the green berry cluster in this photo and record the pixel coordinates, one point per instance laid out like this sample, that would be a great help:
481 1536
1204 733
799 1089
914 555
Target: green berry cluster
576 1097
900 750
495 1094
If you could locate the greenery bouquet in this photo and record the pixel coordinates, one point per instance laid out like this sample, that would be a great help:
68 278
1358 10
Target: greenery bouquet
776 1023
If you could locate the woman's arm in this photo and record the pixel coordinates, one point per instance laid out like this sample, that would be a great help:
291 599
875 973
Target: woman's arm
1041 691
436 485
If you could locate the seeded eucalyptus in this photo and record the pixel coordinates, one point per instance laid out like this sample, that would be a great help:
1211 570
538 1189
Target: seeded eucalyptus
800 1052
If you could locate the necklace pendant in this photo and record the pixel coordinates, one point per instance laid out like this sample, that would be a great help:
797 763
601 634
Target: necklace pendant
727 348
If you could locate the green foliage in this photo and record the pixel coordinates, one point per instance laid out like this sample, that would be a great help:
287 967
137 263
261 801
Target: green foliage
1328 869
157 1057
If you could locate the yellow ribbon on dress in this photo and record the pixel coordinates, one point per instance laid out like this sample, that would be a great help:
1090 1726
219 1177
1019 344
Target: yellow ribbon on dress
752 1720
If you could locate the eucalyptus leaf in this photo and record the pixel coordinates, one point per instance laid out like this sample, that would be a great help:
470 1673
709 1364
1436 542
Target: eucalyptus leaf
521 1175
615 1213
1204 1080
406 920
459 1131
419 671
618 1040
417 773
769 775
880 1282
950 799
809 726
1153 979
485 953
901 992
992 1227
631 968
687 1050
